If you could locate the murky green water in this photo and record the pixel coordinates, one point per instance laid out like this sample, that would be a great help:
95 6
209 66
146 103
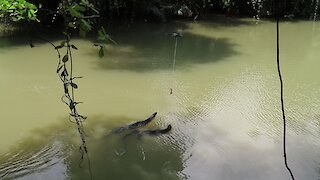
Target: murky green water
224 107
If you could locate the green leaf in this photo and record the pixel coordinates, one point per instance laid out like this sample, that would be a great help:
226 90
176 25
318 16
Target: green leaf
72 106
85 25
103 36
59 69
65 87
71 25
74 12
14 19
79 8
62 43
101 52
84 2
74 47
77 77
29 15
59 47
74 85
64 73
65 58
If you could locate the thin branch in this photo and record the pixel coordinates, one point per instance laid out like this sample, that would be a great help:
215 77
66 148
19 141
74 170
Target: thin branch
90 17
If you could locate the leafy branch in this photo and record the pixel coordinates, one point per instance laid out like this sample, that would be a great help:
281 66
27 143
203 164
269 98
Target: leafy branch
65 73
17 10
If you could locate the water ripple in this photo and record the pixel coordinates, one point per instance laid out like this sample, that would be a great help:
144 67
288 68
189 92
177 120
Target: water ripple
23 163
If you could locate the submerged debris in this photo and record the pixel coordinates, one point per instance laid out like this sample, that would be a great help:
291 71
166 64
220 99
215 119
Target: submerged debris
133 131
135 125
156 132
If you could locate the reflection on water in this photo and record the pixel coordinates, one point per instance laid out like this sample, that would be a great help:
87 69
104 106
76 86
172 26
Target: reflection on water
53 154
156 50
224 109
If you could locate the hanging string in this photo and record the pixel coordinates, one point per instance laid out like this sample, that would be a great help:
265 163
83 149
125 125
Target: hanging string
282 103
175 53
174 58
175 35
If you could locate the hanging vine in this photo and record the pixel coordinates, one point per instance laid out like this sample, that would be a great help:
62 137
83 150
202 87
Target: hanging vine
281 98
65 73
75 17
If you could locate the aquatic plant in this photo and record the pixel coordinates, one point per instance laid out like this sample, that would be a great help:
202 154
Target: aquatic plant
133 130
135 125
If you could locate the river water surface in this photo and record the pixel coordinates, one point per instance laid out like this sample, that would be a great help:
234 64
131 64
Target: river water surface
224 107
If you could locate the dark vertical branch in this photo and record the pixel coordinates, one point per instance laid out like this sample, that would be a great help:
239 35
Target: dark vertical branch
72 105
67 98
282 103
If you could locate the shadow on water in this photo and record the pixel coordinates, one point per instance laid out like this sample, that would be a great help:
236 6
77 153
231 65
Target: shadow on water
53 153
12 42
147 47
218 21
23 36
